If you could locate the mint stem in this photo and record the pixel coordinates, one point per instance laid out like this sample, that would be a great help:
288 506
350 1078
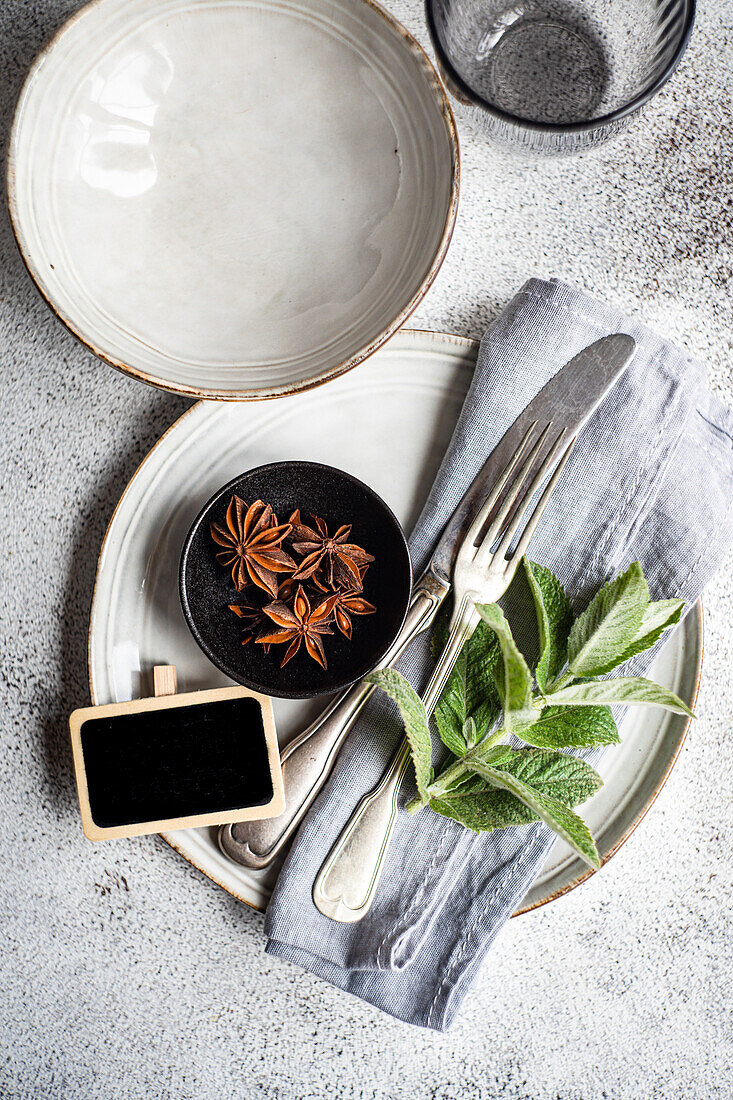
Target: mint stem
458 770
561 681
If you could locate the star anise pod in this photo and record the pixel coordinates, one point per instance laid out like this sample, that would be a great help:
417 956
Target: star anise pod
252 545
348 604
252 615
287 588
299 623
328 557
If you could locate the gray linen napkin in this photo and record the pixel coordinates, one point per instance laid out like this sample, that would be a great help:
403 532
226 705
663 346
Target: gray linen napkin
650 479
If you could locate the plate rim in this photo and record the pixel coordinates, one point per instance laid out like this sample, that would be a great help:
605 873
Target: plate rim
469 346
583 876
440 97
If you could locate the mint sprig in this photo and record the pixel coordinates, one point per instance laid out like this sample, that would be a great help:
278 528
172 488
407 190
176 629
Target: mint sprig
492 693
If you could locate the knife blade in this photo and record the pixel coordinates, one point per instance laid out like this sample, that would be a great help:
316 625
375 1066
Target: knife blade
569 399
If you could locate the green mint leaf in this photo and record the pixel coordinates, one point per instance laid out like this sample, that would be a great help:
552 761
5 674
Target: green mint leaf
620 689
483 808
656 618
554 620
451 710
554 813
609 625
482 698
470 691
513 679
450 730
556 774
571 728
414 718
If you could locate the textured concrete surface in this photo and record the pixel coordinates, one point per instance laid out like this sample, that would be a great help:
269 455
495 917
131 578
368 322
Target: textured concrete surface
127 974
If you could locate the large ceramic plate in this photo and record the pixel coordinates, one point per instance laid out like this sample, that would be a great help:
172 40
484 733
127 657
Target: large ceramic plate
233 198
389 424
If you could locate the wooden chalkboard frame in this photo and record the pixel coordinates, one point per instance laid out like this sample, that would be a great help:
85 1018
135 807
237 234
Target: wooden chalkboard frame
166 699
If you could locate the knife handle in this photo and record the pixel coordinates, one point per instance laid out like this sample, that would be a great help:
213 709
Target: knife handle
308 759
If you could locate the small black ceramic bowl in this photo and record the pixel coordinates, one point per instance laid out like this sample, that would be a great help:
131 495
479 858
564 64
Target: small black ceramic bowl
207 588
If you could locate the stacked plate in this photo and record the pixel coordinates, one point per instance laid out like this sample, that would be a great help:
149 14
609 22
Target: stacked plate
408 404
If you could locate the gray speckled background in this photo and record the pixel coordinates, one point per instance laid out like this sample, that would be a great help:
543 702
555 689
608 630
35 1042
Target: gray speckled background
125 973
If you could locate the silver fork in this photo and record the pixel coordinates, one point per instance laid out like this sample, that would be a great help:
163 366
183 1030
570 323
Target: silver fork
483 570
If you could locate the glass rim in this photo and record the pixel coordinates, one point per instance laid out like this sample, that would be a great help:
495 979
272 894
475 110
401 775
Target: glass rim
560 127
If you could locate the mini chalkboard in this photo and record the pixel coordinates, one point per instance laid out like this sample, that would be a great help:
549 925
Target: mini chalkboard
176 761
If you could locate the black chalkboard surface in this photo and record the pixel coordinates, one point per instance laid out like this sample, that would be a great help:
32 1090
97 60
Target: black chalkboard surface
177 761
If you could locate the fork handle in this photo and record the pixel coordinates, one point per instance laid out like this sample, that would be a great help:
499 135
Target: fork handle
308 759
347 882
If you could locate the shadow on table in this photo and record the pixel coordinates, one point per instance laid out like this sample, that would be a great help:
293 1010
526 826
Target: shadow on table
146 425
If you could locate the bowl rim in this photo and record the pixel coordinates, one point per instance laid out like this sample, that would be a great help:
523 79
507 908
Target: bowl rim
439 96
473 99
382 650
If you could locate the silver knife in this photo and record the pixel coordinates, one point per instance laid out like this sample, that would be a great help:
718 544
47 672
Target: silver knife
570 397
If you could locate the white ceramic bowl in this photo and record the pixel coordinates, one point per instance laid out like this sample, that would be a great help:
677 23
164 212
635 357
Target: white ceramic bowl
233 198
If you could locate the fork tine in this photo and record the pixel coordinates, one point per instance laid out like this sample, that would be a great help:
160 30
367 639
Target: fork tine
496 490
515 494
560 448
539 509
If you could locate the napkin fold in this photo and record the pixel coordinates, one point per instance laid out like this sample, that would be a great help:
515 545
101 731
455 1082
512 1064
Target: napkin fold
650 479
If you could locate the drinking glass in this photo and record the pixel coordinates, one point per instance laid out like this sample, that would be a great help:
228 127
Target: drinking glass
556 76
